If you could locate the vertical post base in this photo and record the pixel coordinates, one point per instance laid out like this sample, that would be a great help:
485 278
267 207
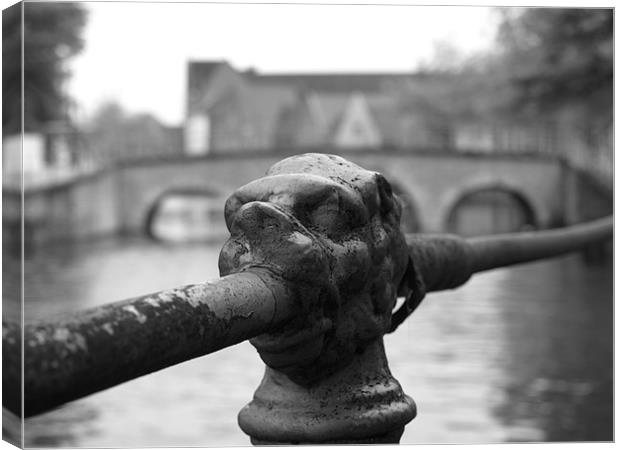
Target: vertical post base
360 404
392 437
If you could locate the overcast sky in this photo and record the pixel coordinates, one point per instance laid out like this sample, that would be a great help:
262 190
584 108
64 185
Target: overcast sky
137 53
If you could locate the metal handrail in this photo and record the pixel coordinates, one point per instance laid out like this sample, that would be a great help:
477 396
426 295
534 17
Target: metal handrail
92 350
447 262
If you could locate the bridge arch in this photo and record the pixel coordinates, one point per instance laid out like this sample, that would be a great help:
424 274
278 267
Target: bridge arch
428 184
490 208
198 210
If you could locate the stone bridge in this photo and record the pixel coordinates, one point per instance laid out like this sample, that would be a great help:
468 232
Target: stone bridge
123 198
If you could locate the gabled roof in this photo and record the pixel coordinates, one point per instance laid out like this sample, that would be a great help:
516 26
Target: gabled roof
357 112
323 113
199 72
266 104
309 108
258 106
388 116
329 108
332 82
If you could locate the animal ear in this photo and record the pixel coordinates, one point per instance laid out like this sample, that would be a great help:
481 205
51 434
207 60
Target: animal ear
386 198
412 287
232 205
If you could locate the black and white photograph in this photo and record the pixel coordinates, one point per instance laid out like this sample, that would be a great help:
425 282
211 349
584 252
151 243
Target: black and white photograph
234 224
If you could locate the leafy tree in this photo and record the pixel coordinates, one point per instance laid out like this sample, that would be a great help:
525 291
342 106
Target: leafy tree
51 34
548 60
115 135
559 56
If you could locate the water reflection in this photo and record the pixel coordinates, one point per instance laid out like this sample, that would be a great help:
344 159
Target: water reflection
559 352
521 354
187 216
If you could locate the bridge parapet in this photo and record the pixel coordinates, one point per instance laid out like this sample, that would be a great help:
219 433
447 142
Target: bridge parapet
310 274
120 198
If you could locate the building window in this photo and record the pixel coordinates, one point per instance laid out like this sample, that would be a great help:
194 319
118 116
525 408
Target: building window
197 135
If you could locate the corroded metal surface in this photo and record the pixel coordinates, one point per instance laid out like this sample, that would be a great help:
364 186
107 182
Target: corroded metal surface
447 262
361 403
490 252
332 229
102 347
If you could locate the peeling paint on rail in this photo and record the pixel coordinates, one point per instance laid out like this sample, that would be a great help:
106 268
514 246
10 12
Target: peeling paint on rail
102 347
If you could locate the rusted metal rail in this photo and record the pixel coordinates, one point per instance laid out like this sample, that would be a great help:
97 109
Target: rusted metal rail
447 262
312 288
105 346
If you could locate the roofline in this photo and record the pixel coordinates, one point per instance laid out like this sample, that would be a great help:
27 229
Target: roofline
332 74
208 61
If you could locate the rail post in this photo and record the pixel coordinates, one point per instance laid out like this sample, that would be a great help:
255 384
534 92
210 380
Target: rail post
332 229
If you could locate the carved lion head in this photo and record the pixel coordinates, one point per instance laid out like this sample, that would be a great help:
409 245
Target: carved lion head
330 229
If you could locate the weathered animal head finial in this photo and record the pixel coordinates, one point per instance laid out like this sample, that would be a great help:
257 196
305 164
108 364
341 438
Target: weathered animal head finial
331 229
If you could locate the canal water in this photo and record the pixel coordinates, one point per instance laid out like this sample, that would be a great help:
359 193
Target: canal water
518 354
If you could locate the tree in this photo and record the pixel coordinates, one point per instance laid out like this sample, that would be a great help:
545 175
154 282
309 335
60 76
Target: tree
115 135
559 56
547 60
51 34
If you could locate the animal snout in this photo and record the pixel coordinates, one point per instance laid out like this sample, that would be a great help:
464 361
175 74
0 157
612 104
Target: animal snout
260 218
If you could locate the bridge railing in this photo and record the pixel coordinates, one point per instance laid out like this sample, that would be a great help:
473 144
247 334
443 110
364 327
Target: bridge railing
310 274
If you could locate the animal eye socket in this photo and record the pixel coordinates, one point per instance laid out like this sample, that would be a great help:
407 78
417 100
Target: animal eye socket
328 216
